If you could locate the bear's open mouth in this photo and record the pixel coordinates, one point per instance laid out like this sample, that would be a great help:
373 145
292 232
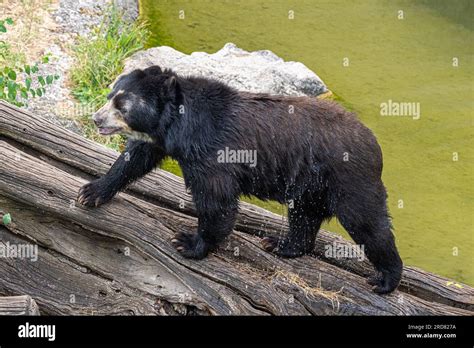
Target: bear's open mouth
109 130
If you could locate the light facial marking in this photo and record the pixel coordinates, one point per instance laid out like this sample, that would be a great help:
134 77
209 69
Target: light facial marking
113 120
109 119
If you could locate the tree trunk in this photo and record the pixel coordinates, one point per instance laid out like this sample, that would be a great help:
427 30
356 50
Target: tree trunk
118 259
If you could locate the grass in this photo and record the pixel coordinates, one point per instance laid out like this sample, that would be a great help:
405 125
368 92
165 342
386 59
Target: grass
10 57
100 60
311 292
19 38
24 37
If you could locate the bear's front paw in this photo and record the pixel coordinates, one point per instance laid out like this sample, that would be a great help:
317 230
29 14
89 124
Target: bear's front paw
94 194
190 245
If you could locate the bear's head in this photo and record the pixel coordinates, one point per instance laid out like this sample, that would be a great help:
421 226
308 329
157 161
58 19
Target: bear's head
137 102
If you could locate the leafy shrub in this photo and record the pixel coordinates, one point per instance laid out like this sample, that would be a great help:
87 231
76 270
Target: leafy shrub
12 89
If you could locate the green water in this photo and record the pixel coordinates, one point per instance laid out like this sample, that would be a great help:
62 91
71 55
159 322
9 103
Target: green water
403 60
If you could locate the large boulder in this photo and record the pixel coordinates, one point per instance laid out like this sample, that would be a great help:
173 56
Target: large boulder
258 71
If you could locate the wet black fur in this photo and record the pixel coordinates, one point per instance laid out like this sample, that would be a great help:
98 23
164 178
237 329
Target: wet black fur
320 158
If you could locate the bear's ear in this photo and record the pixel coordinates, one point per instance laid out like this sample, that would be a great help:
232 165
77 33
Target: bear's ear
153 70
172 89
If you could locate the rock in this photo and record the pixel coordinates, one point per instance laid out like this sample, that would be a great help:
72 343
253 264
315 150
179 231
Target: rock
56 103
258 71
80 16
129 8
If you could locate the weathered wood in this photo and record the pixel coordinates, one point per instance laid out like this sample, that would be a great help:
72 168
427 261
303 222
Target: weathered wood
117 259
18 305
82 157
217 286
40 197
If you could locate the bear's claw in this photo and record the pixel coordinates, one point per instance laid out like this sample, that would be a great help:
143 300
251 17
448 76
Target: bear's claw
190 245
92 195
382 284
383 288
269 243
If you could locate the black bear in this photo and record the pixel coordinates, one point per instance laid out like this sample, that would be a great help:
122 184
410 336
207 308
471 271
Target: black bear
304 151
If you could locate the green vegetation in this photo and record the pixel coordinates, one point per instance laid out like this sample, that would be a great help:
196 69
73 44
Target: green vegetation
6 219
12 88
100 60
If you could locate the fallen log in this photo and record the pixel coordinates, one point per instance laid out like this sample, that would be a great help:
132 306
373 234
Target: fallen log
18 305
43 184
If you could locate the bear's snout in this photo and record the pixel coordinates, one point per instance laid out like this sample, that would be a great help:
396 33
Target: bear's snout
96 117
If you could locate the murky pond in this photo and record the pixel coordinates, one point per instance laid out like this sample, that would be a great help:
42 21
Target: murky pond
370 53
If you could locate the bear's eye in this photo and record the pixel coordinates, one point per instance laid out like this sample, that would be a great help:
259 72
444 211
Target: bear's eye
120 104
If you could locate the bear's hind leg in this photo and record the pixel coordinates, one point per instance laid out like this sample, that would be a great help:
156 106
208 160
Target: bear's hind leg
304 221
367 221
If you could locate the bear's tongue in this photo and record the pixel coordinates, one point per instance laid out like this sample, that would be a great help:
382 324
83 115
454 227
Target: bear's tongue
107 130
